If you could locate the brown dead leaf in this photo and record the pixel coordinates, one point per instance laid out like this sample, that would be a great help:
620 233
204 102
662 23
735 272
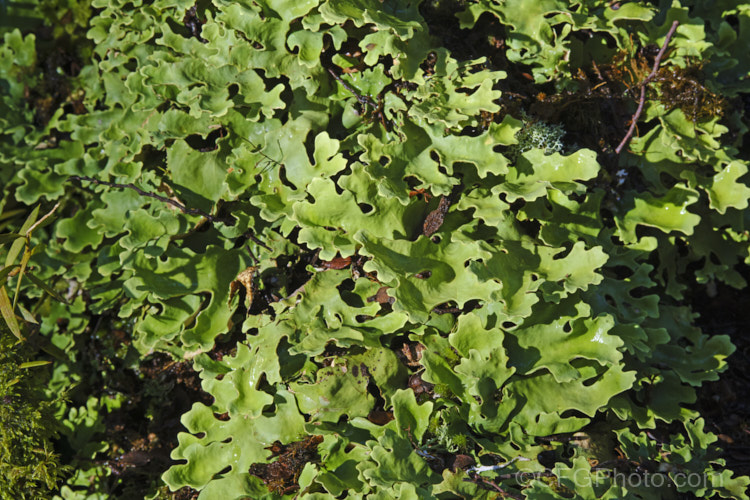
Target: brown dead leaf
381 296
412 354
244 279
380 417
435 218
337 263
726 438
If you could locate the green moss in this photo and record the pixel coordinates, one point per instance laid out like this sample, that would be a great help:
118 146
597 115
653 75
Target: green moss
28 466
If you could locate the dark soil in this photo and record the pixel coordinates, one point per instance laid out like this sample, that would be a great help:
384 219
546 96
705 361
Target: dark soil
725 404
142 432
59 63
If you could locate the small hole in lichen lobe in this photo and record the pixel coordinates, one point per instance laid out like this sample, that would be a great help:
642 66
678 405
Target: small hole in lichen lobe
366 208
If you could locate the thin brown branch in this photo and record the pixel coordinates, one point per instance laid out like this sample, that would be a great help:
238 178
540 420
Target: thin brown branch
258 242
642 100
259 150
610 465
182 208
662 51
481 481
561 439
533 475
363 100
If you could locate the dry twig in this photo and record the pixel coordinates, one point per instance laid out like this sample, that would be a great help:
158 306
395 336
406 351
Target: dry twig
363 100
491 485
645 82
182 208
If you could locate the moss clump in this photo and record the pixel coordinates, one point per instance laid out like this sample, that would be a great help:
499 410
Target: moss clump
28 467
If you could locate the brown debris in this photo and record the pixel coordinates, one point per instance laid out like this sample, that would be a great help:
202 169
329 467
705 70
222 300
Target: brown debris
244 279
411 354
336 263
381 296
682 88
380 417
194 24
418 385
282 476
435 218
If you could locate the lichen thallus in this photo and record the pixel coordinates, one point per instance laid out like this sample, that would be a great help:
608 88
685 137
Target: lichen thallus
211 219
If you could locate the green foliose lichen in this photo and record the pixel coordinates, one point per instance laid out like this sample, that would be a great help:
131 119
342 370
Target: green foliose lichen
427 268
